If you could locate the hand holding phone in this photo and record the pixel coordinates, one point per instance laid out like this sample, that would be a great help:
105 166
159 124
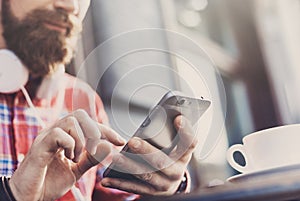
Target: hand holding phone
158 128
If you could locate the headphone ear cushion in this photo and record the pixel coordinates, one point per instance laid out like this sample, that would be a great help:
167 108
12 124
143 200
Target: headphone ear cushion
13 74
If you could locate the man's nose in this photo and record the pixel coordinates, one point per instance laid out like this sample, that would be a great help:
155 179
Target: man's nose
71 6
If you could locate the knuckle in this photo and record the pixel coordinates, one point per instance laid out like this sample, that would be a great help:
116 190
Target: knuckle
56 131
151 191
160 164
161 185
176 175
133 188
71 120
164 187
81 113
146 177
137 144
142 143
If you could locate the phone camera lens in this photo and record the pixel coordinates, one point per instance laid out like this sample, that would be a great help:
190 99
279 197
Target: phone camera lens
180 102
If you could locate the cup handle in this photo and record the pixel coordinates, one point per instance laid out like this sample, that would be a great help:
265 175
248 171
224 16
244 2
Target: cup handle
231 160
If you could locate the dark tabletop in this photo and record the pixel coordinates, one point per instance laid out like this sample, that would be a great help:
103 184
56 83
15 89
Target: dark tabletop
276 184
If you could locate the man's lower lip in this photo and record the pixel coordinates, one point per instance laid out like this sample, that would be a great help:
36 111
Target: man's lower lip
56 28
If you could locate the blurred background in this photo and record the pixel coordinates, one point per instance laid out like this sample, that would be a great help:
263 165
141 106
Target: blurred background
252 82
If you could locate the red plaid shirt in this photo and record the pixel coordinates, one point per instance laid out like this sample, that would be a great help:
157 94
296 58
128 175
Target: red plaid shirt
19 127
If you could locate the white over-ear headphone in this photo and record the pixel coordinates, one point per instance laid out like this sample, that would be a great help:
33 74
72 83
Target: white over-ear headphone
13 74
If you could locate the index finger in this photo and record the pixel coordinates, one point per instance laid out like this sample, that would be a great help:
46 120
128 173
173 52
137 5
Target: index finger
87 124
111 135
90 130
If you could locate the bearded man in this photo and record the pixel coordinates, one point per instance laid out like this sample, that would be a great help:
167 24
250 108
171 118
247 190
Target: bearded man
61 160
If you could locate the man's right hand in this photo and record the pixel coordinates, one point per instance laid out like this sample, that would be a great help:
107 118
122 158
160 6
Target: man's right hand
60 155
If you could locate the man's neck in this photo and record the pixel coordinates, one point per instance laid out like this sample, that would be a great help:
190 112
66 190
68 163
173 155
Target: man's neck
2 41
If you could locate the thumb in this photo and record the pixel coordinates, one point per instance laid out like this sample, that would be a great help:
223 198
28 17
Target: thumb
87 160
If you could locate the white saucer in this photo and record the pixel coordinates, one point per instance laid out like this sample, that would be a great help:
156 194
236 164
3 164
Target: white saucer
261 175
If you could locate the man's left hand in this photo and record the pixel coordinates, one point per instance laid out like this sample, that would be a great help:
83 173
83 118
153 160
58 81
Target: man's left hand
163 173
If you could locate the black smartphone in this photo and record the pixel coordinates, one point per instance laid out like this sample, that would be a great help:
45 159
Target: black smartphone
158 127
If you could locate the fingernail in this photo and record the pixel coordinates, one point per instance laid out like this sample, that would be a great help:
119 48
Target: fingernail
181 123
93 150
121 140
105 183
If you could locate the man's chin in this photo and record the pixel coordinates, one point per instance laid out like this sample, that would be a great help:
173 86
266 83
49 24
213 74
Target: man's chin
39 48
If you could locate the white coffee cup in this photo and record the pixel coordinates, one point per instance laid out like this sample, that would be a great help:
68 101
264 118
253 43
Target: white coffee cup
267 149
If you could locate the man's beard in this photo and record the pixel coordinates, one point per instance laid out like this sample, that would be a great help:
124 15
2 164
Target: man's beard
39 48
